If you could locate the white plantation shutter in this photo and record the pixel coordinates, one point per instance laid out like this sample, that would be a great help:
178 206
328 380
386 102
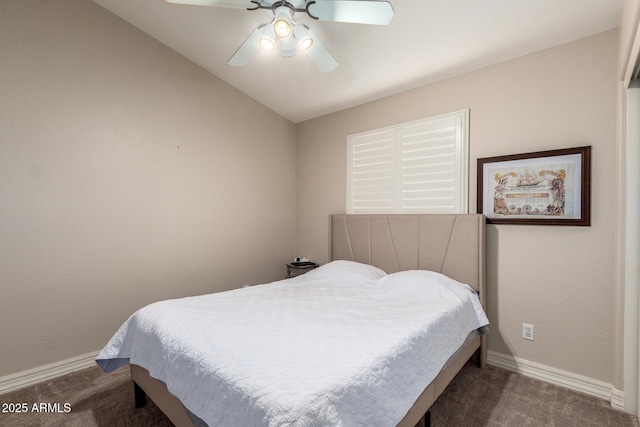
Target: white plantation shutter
373 170
417 167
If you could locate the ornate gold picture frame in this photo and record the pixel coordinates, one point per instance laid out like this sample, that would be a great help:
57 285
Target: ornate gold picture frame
541 188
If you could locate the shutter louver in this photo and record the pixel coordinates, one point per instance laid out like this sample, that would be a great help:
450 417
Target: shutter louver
429 167
373 173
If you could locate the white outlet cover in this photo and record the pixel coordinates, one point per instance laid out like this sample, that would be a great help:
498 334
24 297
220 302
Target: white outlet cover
527 332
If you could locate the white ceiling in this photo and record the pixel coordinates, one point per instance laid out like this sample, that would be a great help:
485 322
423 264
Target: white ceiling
427 40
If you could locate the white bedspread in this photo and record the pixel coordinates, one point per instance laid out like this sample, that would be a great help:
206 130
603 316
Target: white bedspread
333 347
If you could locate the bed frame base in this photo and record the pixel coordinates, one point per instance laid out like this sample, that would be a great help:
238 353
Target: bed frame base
157 391
141 402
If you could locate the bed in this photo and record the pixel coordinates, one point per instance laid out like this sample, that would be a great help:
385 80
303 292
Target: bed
386 258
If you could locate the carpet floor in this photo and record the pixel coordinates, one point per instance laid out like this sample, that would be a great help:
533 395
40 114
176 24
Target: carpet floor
487 397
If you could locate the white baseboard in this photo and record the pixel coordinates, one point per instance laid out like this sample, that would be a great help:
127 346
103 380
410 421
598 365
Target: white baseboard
44 373
617 399
559 377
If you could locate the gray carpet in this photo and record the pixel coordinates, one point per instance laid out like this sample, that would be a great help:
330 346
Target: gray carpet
489 397
498 398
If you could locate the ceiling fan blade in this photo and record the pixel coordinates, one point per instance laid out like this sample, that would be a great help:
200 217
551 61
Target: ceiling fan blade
354 11
319 54
247 49
240 4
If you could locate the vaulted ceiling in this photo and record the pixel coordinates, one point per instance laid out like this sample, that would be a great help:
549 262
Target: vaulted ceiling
427 40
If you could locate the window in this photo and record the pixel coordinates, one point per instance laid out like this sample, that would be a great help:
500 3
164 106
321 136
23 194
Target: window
415 167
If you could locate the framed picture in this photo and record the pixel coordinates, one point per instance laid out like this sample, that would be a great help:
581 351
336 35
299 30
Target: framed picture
541 188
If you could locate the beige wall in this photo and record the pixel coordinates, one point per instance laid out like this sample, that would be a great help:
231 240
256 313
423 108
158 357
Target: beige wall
561 279
127 175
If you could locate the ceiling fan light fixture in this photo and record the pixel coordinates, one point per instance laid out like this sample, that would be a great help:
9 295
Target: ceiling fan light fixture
267 38
288 47
265 43
282 25
301 34
305 43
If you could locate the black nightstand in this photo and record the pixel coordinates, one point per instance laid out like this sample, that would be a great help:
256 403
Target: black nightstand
294 270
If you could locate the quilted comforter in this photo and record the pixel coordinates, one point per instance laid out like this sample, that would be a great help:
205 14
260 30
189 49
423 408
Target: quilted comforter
343 345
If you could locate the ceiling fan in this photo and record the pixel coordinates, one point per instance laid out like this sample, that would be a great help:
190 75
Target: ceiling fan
292 35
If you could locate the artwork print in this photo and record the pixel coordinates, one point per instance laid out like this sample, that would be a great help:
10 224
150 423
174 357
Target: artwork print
547 187
525 191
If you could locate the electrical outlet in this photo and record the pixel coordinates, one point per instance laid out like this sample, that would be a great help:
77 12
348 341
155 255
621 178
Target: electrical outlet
527 331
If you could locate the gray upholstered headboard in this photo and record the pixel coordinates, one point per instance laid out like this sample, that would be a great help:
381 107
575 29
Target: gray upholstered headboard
449 244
